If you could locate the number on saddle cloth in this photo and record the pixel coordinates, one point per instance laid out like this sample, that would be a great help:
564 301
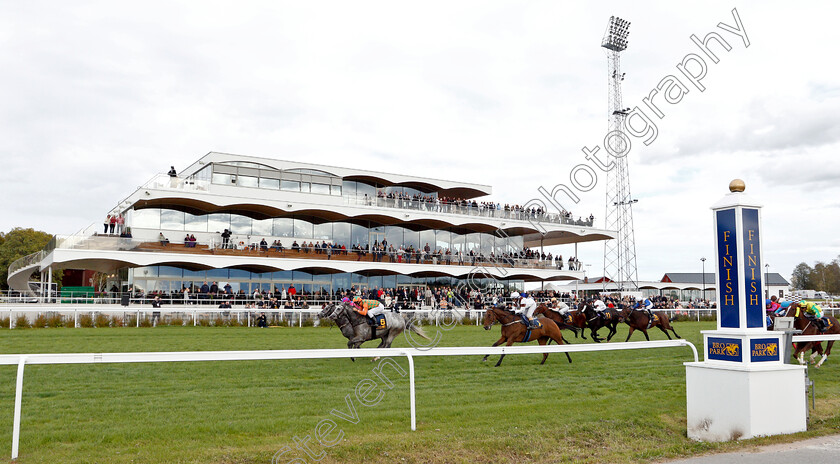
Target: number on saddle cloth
378 321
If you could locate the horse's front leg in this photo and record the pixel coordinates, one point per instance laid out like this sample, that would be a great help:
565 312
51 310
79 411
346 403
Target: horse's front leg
509 343
498 342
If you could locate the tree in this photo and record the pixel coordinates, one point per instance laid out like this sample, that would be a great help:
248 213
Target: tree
801 277
16 244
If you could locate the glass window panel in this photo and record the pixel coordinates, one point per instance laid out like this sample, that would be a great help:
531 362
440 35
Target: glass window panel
348 188
359 235
322 231
473 243
262 226
363 189
427 237
341 282
300 276
171 220
375 282
304 187
145 219
223 179
487 242
394 236
146 271
303 229
322 189
170 271
411 238
442 239
389 281
239 274
195 275
281 275
218 274
273 184
458 243
248 181
341 234
284 227
195 223
218 222
290 185
240 224
335 190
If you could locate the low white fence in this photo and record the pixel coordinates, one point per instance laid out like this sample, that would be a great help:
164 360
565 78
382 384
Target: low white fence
21 360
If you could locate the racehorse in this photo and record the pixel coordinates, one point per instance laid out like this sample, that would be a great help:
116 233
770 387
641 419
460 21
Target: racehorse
573 320
809 327
640 320
595 320
514 331
357 330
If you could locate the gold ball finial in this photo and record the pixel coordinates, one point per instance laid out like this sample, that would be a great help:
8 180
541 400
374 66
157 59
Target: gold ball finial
737 185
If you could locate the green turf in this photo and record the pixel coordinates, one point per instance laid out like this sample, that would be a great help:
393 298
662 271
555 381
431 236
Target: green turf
626 406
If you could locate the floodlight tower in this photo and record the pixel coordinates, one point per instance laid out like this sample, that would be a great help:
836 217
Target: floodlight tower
619 254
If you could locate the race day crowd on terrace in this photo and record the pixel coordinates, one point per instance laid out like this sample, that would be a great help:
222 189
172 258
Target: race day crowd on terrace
482 208
440 297
380 251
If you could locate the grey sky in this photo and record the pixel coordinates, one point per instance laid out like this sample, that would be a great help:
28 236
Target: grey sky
100 96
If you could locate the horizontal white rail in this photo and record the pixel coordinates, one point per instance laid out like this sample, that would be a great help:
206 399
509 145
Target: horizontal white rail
814 338
191 356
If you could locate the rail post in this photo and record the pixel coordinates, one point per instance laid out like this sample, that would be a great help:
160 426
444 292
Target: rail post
18 405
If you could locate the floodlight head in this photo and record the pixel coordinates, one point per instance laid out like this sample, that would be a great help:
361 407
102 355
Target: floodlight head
615 37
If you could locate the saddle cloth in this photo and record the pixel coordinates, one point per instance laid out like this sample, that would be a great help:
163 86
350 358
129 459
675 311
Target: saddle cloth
378 322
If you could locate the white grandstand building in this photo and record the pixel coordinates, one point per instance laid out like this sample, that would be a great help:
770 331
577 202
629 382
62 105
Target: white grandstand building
259 199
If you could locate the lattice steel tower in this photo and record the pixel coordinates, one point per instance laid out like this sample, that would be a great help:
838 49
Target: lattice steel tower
619 254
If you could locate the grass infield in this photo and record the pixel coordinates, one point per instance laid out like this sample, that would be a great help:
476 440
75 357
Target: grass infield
623 406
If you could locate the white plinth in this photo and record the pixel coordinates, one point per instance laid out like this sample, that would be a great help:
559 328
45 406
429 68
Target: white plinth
733 402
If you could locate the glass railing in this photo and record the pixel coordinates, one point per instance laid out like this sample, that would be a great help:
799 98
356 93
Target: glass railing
164 181
480 211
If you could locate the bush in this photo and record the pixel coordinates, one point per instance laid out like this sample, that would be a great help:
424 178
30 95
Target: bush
145 322
116 321
309 322
326 322
204 322
55 321
21 322
40 322
102 320
176 321
4 323
219 321
85 320
131 321
234 323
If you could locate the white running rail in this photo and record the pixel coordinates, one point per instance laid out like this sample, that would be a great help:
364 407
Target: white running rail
185 356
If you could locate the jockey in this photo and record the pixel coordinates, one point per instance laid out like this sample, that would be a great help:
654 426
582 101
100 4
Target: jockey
526 309
515 297
599 305
813 311
648 305
369 308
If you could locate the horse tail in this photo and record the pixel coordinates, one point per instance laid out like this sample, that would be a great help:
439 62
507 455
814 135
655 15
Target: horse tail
416 328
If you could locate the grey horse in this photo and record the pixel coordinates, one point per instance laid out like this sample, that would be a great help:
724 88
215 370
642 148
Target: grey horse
356 329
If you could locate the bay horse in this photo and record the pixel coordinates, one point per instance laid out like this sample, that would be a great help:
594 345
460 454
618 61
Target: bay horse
357 330
514 331
595 320
639 320
573 320
809 327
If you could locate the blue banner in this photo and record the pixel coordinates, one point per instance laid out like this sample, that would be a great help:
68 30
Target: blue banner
752 269
764 349
724 349
727 254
